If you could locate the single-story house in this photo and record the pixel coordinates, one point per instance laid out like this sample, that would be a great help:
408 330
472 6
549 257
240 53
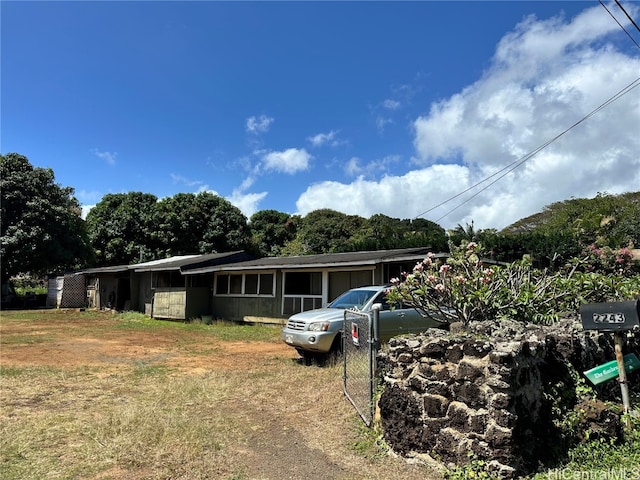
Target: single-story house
269 290
236 287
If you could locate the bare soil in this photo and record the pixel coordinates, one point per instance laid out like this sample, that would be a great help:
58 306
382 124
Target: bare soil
302 427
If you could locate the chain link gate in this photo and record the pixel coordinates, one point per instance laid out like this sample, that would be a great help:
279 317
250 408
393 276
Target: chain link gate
360 345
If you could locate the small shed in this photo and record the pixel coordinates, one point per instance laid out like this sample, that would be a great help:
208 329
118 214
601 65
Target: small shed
108 287
67 291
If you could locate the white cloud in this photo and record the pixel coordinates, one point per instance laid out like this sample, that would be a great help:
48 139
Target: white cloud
390 104
322 139
247 202
85 210
109 157
184 180
397 196
352 167
544 77
261 124
289 161
382 122
374 169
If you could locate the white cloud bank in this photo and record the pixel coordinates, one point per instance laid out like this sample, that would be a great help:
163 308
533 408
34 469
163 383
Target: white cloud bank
544 77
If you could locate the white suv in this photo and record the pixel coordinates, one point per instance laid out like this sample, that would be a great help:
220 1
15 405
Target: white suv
318 332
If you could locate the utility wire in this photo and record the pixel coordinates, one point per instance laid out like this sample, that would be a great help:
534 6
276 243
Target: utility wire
517 163
619 24
522 160
628 16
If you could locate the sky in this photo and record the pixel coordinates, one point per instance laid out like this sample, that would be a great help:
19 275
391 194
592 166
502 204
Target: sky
456 112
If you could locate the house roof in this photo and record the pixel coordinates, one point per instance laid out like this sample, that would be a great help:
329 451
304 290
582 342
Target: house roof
180 262
187 262
112 269
325 260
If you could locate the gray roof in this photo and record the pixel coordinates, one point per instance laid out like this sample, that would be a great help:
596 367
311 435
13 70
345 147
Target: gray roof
187 262
112 269
325 260
180 262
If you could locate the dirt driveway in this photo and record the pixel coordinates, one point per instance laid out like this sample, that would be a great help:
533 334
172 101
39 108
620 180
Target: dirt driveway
290 421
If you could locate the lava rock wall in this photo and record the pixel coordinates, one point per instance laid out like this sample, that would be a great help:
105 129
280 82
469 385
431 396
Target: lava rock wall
486 390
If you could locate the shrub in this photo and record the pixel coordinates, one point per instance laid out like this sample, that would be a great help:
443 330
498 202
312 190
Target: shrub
610 261
466 288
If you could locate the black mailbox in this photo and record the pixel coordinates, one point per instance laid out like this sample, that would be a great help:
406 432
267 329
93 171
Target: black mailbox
611 316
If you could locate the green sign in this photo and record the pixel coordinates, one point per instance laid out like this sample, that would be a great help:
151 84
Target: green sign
609 370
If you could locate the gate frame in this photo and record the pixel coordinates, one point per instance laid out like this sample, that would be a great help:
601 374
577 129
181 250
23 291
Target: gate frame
373 344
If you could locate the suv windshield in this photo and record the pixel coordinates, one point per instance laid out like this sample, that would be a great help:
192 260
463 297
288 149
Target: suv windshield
353 298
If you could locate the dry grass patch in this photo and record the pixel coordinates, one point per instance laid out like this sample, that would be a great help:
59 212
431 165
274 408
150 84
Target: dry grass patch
58 424
115 397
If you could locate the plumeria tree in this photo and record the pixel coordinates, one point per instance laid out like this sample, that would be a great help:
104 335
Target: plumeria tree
605 259
464 287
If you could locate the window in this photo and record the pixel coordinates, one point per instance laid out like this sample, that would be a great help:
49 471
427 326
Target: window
253 284
265 286
302 292
235 284
303 283
222 284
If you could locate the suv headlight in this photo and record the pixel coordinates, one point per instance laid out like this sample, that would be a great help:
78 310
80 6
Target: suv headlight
319 327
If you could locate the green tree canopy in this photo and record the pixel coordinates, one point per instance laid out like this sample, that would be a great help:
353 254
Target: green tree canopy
564 229
271 230
131 227
202 223
121 228
382 232
42 228
425 233
326 230
607 220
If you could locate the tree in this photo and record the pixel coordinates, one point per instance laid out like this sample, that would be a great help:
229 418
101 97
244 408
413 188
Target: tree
327 231
271 230
42 227
422 232
460 233
606 220
132 227
381 232
204 223
121 228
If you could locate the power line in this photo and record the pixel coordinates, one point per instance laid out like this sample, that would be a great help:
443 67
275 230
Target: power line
619 24
517 163
522 160
628 16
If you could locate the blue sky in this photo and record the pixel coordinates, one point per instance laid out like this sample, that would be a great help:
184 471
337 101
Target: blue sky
362 107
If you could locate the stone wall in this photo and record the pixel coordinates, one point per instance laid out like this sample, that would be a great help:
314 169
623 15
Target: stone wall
489 390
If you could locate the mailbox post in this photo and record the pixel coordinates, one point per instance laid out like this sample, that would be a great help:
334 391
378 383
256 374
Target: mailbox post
616 317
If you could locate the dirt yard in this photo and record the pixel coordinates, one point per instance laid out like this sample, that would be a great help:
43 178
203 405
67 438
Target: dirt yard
275 418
